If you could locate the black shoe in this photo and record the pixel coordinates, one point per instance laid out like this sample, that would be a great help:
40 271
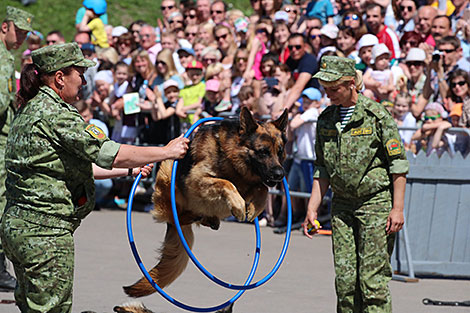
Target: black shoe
7 282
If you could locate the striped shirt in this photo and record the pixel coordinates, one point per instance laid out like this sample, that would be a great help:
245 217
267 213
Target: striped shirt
345 115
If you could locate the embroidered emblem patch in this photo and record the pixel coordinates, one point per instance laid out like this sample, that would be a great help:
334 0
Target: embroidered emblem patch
95 131
393 147
10 85
361 131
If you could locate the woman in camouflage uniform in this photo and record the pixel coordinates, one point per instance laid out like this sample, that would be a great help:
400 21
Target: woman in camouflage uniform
50 156
360 155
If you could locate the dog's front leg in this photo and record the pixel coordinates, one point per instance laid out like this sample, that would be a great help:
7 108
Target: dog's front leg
257 202
211 196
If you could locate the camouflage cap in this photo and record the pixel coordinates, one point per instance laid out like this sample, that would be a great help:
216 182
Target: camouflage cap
333 68
20 18
52 58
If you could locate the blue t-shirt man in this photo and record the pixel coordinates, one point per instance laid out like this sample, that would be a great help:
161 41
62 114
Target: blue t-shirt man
323 9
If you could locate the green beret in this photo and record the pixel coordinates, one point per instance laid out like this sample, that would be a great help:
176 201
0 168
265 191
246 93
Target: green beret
55 57
333 68
20 18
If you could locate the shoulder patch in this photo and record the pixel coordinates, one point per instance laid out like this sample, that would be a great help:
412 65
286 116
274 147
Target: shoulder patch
393 147
95 131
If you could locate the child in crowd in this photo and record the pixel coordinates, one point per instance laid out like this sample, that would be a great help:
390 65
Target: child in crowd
192 95
91 22
166 123
403 117
431 136
248 100
121 79
364 46
302 130
461 141
34 41
379 80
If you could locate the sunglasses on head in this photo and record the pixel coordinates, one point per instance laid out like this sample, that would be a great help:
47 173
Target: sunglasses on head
432 118
296 47
170 7
216 12
353 17
224 36
460 83
408 8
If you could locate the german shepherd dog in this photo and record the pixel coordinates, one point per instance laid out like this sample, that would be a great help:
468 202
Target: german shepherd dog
226 172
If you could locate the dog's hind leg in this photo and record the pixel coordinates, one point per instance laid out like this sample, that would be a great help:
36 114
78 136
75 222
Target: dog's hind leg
172 263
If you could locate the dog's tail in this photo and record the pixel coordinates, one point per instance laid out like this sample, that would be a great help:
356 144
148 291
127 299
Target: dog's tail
172 262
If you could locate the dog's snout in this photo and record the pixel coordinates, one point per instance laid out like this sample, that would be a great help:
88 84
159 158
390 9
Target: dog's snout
278 173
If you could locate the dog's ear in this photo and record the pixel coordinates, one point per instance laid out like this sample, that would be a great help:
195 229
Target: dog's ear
281 122
248 124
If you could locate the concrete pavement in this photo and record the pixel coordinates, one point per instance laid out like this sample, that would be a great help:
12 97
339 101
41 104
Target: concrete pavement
304 283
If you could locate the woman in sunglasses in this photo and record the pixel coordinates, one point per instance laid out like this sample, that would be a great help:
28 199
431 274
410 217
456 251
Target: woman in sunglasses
459 95
408 13
353 18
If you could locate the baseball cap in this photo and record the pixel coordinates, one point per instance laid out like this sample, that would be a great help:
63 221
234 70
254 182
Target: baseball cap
118 31
456 110
367 40
170 83
330 31
333 68
377 51
98 6
52 58
415 54
281 16
212 85
88 47
312 93
20 18
241 24
105 75
195 64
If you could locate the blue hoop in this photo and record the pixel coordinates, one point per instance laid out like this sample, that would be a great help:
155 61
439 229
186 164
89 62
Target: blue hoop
241 288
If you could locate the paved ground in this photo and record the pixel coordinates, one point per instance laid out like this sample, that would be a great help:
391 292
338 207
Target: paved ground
304 282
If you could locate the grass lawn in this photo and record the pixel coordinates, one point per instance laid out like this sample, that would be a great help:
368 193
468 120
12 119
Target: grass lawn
60 15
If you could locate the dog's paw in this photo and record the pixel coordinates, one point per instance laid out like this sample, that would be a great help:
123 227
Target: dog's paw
237 204
211 221
251 212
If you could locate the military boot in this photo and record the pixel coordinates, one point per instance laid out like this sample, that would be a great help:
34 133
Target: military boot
7 282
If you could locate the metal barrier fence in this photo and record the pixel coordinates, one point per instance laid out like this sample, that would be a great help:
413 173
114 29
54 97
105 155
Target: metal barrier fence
435 240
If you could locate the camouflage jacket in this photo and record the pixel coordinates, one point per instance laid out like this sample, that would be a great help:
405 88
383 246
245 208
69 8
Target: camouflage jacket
49 155
7 90
359 160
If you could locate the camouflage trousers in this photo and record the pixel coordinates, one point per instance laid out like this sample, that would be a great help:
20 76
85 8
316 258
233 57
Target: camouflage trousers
3 177
362 252
43 259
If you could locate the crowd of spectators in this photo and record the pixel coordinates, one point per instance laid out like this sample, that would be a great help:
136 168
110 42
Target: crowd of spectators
206 58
